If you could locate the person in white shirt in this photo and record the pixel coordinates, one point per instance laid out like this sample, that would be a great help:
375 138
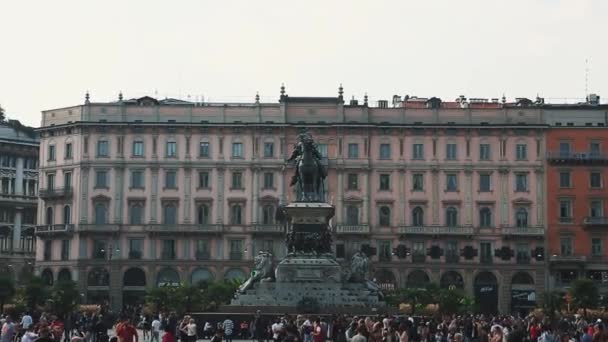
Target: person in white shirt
155 332
191 330
208 330
29 335
26 321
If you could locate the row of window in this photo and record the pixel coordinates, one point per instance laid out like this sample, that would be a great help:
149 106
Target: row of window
9 160
169 214
102 249
451 182
566 209
7 186
452 218
565 148
451 151
595 179
567 246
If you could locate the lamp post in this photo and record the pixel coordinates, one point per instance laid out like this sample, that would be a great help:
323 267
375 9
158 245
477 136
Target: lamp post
111 251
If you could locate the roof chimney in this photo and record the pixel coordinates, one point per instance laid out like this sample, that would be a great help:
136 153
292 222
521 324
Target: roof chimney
593 99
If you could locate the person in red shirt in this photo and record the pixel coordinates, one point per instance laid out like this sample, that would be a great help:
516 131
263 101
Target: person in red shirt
126 332
168 335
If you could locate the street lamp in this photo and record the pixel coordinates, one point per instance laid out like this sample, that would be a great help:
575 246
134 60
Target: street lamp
110 255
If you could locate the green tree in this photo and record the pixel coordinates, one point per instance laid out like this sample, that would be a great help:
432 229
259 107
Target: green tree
188 298
65 297
7 291
219 293
585 294
162 298
453 301
551 303
36 292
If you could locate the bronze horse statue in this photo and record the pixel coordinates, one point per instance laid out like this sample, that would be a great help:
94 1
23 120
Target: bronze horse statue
310 174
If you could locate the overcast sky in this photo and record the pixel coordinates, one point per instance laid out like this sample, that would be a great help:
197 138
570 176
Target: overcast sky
52 52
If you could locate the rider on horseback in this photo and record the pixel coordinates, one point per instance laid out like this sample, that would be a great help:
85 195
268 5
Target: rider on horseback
305 138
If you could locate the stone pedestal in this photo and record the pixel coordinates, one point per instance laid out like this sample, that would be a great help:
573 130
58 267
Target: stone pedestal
309 269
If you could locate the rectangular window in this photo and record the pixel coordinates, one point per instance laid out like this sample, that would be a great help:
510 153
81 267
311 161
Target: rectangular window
451 182
564 179
237 180
565 211
595 149
596 208
595 180
168 251
202 250
418 251
51 152
136 248
68 151
451 152
417 182
522 255
101 179
385 151
485 183
99 249
102 148
237 150
485 252
268 150
236 249
67 180
322 148
137 179
418 151
203 150
50 183
484 151
565 245
596 247
564 149
353 181
353 151
138 149
384 251
521 152
521 182
268 180
385 182
136 215
48 250
170 213
203 179
171 180
171 149
451 252
65 250
340 251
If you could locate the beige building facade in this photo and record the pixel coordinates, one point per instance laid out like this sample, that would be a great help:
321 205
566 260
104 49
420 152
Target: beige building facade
144 192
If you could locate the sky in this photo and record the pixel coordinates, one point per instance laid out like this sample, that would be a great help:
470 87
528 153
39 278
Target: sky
53 52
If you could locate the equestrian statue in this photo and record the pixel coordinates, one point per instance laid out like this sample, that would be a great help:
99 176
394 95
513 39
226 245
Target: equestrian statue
310 174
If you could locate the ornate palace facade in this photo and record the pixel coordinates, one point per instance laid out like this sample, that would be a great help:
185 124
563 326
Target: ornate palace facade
146 192
18 198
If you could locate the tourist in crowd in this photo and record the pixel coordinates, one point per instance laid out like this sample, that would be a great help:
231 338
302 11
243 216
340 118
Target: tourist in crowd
155 330
228 329
168 335
8 330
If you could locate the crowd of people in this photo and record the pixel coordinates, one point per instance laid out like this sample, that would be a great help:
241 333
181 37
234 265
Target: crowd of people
168 327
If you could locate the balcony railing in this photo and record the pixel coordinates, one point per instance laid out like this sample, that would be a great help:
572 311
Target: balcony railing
268 228
203 255
56 193
430 230
352 229
183 228
101 228
135 255
54 229
568 258
167 255
524 231
596 221
452 258
236 255
418 257
572 157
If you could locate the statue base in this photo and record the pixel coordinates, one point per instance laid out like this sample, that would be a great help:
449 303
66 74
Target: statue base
308 268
